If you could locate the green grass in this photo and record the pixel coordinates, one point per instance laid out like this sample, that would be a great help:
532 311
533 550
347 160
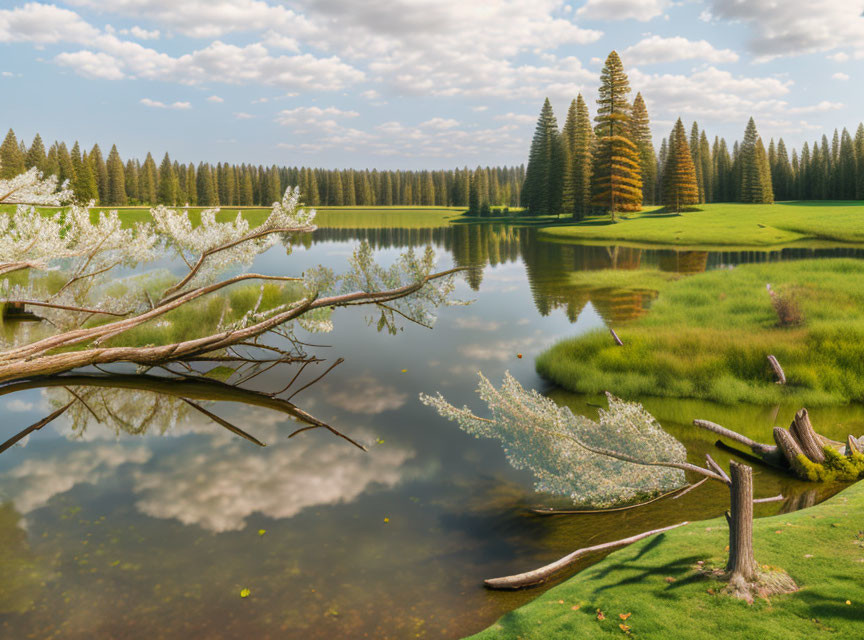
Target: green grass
707 337
727 224
822 548
328 217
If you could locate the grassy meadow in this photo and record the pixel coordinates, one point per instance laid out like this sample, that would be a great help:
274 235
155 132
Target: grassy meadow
707 336
654 589
726 224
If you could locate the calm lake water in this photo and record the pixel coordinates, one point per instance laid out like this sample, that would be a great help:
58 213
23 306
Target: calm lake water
152 532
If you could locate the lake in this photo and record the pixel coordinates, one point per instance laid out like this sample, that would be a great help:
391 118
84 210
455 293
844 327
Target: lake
153 531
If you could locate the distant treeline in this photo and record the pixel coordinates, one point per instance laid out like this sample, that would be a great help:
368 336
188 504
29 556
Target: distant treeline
612 165
113 182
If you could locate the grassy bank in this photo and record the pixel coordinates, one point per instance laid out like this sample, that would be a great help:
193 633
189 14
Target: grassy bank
329 217
727 224
707 336
656 582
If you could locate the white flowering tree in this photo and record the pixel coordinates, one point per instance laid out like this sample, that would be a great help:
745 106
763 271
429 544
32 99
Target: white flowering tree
83 277
623 455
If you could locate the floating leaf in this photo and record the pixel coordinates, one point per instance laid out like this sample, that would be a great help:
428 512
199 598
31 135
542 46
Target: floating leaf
244 593
386 520
261 532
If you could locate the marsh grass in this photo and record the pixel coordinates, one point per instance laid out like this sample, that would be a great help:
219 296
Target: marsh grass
708 336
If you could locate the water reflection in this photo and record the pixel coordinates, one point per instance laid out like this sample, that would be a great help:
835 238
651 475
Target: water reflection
146 523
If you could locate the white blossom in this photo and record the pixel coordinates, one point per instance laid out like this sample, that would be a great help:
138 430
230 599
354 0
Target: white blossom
553 443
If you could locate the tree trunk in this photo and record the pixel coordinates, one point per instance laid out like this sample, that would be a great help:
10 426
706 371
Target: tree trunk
742 564
802 430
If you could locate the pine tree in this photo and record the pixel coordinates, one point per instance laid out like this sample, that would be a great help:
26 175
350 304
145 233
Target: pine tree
680 187
846 168
133 194
100 172
764 169
617 178
246 195
696 155
754 168
84 185
192 185
116 179
169 184
707 168
859 160
544 177
640 134
11 158
147 180
35 157
783 175
206 193
64 163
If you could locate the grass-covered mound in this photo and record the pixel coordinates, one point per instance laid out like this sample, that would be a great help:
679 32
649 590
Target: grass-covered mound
707 336
656 589
727 224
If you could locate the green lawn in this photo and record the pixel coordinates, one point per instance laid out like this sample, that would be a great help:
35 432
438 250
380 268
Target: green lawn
707 336
330 217
719 225
656 582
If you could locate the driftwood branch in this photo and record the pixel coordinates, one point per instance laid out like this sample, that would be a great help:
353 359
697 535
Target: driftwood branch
778 370
540 575
34 427
615 337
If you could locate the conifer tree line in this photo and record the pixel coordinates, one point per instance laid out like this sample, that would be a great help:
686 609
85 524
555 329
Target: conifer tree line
609 164
111 181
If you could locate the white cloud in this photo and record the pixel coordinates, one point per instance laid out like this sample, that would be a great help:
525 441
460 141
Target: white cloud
17 405
365 395
139 33
215 99
840 56
92 65
147 102
313 117
840 76
219 488
440 123
242 115
43 24
823 106
519 118
654 49
793 27
641 10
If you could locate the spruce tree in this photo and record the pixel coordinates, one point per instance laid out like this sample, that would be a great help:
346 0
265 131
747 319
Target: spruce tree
696 155
169 186
147 180
680 187
859 161
133 194
707 167
64 163
617 178
192 185
100 172
640 134
35 157
116 179
206 192
754 168
544 176
846 168
11 158
84 185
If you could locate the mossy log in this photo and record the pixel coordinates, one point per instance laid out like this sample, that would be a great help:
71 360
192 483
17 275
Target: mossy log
800 450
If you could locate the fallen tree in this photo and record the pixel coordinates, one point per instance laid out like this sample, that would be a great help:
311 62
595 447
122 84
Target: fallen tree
624 455
801 451
76 293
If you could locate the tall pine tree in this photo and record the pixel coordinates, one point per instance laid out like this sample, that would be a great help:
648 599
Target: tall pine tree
680 187
617 176
544 176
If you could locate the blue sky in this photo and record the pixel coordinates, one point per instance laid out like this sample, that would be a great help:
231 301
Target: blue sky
413 83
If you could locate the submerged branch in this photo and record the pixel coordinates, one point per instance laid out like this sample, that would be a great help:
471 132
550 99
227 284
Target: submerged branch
537 576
